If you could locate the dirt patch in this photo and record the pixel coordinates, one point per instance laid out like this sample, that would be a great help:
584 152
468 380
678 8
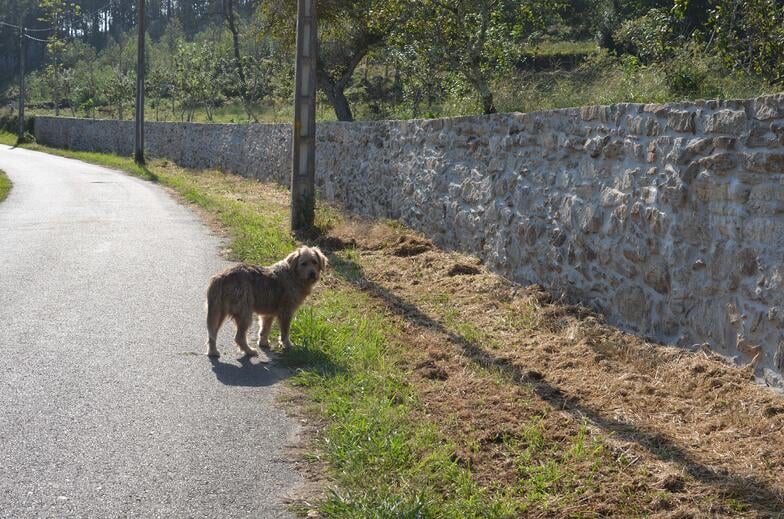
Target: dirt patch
432 371
673 483
463 269
774 410
528 388
333 243
407 246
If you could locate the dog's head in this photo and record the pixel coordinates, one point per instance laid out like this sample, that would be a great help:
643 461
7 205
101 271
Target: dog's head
307 263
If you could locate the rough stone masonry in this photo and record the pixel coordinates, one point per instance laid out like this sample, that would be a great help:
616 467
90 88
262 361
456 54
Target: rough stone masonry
669 219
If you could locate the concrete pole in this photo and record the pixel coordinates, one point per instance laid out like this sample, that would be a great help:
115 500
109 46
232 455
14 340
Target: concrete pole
138 155
303 198
20 130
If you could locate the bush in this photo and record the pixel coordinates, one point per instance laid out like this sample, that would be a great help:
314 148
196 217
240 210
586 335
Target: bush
9 122
692 73
648 37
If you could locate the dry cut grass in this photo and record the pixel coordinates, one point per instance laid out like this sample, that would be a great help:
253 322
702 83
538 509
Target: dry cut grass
552 407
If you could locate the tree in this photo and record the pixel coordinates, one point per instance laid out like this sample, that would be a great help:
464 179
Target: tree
160 85
348 30
474 38
239 64
749 35
420 85
197 78
119 73
119 89
55 12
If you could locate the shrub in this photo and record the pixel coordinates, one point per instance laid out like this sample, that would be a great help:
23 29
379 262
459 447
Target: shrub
649 37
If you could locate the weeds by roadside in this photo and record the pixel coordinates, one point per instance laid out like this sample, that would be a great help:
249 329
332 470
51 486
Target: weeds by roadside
9 139
5 186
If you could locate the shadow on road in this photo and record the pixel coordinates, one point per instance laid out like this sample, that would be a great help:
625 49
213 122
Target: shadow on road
248 374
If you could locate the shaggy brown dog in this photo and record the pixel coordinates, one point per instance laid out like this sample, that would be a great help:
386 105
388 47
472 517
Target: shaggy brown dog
275 291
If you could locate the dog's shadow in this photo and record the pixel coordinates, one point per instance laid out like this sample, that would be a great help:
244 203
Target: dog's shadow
248 373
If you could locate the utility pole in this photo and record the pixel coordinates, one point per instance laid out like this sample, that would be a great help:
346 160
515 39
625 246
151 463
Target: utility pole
138 155
21 118
20 131
303 174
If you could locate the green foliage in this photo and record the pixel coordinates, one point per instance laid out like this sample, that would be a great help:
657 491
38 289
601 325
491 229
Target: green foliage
749 35
197 78
649 37
58 77
472 38
605 79
118 87
399 58
348 31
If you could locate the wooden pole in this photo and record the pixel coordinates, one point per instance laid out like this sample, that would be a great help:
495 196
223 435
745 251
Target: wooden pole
138 155
303 175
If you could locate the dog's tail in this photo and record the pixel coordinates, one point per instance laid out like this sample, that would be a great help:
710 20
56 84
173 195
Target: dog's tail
214 293
215 311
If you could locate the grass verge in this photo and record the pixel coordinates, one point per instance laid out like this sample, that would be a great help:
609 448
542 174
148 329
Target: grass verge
5 186
9 139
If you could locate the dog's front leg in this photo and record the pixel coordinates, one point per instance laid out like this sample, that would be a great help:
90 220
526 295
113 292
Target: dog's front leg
285 325
265 325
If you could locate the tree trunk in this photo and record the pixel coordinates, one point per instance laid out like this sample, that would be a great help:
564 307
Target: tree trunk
335 88
336 97
482 88
487 103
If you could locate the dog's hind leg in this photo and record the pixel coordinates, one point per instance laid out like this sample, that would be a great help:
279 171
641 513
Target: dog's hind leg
243 324
284 320
265 325
215 318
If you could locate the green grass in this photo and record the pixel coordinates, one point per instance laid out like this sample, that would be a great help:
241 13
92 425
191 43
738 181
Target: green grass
5 186
597 78
556 48
226 114
9 139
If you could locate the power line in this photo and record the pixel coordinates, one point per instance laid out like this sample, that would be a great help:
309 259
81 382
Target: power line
28 29
9 25
36 39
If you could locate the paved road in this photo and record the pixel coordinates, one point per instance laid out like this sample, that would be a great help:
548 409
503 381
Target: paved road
108 405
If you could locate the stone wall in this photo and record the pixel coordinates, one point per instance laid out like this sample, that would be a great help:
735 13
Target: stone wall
669 219
257 150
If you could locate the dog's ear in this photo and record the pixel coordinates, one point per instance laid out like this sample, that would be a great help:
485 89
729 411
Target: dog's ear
292 258
323 261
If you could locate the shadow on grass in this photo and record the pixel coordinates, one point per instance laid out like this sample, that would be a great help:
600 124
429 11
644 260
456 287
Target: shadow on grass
282 365
149 175
753 493
310 359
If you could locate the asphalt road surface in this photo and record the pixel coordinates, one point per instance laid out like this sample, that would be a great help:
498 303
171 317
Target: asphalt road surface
109 406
